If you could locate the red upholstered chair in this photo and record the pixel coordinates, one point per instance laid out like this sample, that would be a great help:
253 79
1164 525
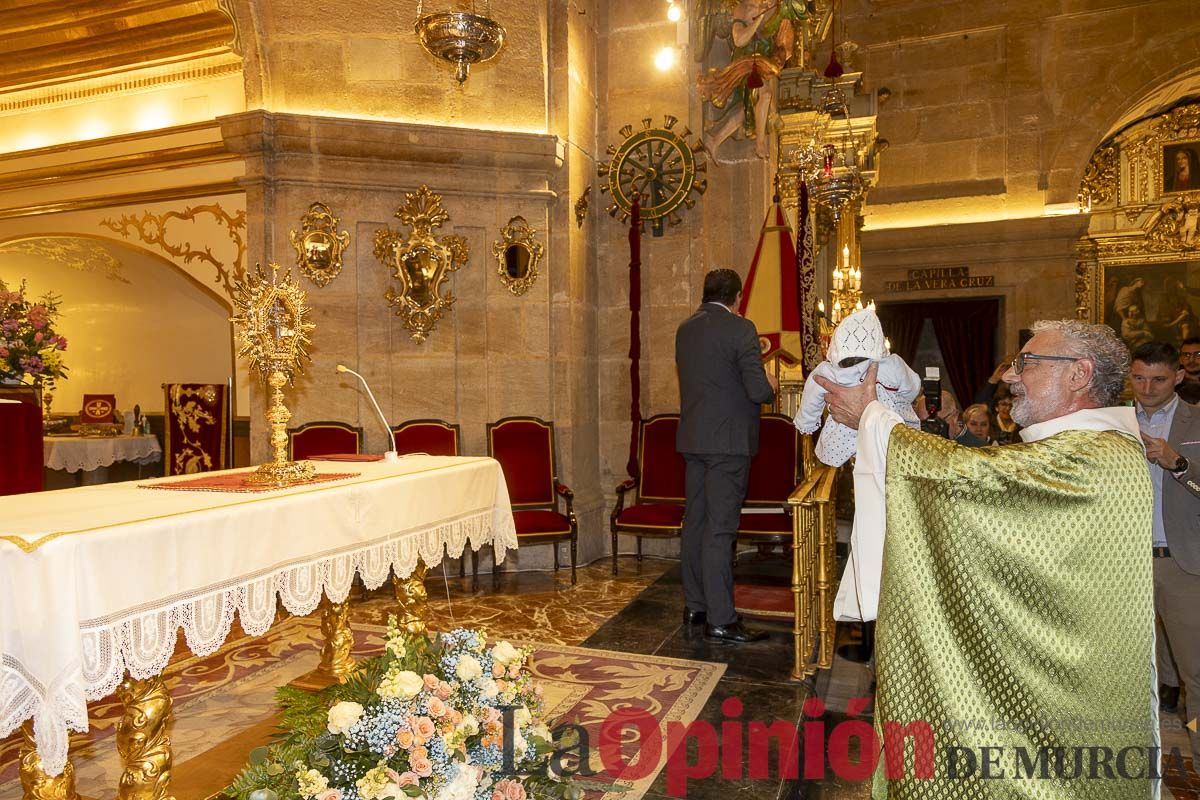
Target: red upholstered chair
524 446
432 436
774 474
659 490
323 439
98 408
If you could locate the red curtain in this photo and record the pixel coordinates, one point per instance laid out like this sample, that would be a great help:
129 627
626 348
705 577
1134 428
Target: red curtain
902 325
966 334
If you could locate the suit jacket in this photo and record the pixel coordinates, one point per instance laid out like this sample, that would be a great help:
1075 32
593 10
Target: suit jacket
1181 495
722 383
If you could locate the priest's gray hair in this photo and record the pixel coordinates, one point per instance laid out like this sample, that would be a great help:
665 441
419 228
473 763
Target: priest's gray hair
1100 345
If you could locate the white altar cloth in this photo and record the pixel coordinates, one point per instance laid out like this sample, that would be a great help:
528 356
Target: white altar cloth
75 453
96 580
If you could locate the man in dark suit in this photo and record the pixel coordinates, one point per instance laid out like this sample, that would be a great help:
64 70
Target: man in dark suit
722 384
1171 432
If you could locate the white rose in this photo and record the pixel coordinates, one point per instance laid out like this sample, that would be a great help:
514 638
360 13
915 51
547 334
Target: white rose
522 717
408 684
504 653
468 668
541 730
488 688
343 716
469 725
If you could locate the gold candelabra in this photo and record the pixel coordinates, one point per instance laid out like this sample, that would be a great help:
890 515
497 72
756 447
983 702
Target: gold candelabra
273 330
847 289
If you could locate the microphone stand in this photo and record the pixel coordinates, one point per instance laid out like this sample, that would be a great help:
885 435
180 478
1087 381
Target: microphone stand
391 456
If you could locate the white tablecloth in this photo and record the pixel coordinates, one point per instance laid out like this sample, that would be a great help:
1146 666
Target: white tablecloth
96 580
75 453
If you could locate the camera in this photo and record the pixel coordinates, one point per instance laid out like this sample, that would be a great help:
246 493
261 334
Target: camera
931 388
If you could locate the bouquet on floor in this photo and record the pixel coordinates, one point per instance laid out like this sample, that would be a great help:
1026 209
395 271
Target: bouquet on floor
30 350
428 718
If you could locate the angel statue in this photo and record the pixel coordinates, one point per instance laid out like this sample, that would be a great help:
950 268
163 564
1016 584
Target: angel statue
763 36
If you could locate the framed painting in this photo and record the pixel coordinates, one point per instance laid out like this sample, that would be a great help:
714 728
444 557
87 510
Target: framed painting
1152 302
1181 167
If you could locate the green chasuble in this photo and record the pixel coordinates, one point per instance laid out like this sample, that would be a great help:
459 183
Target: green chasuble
1016 613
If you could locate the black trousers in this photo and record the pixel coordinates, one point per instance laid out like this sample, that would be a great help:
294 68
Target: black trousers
716 487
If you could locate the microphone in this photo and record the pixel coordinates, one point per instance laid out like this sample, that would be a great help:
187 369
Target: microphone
391 456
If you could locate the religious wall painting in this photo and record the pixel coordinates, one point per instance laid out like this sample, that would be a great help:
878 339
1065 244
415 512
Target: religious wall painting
1152 302
1181 167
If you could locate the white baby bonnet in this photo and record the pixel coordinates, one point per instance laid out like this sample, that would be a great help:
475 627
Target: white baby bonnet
857 336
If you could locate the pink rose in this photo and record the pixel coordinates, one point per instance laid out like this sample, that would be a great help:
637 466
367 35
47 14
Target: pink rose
497 795
443 691
514 671
408 779
491 715
514 791
424 729
454 716
330 794
419 752
423 767
436 707
497 670
431 682
37 337
404 738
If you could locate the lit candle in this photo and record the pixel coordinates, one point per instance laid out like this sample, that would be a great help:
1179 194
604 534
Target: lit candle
821 307
886 341
858 306
846 256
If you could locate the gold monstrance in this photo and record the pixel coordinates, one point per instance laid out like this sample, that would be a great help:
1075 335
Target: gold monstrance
273 330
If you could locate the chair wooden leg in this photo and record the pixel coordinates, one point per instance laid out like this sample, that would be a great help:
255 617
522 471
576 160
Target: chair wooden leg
556 564
614 553
474 570
495 571
462 564
639 549
574 539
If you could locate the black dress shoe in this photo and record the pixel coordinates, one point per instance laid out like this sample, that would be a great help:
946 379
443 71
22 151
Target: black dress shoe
1168 699
694 617
734 632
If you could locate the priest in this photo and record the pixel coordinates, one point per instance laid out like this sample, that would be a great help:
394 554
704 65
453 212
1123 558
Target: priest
1014 593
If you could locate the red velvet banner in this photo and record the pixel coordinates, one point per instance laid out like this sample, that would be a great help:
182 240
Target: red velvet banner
21 433
195 418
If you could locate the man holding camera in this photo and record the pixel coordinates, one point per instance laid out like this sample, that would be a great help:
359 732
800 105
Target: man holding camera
1017 584
1171 432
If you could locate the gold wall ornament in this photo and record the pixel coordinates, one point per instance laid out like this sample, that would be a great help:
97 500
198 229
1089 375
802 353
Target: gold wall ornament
517 253
1102 178
319 246
72 252
659 165
155 229
35 783
582 204
143 739
421 262
273 333
460 37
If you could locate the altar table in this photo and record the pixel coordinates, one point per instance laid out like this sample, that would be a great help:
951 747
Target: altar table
90 454
95 581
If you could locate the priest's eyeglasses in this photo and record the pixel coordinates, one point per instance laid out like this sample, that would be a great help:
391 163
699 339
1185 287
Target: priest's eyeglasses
1019 363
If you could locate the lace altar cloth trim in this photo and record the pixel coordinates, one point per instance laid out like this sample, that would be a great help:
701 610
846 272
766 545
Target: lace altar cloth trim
73 453
236 482
142 640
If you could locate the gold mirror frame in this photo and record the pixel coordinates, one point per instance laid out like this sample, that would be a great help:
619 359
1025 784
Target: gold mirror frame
420 262
517 234
319 246
1148 230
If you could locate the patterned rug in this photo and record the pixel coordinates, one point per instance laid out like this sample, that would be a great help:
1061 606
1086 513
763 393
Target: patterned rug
224 695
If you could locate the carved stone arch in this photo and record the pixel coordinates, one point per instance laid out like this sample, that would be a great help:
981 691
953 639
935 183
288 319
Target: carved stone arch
247 19
1127 85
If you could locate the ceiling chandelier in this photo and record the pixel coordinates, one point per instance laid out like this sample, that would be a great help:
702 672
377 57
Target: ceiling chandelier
461 37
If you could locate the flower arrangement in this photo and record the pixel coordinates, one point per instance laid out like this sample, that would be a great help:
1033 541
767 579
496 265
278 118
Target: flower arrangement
30 350
428 718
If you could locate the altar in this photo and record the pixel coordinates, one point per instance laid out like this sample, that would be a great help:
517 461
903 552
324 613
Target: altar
99 579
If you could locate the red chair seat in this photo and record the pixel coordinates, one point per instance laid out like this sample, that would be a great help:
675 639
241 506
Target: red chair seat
651 515
537 521
765 523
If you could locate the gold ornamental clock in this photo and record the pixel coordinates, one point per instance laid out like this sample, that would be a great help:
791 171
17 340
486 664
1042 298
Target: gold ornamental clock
660 166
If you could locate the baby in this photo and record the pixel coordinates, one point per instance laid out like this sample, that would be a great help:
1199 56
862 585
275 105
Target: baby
856 343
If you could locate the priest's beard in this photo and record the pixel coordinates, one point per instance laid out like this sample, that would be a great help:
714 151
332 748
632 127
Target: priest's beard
1022 411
